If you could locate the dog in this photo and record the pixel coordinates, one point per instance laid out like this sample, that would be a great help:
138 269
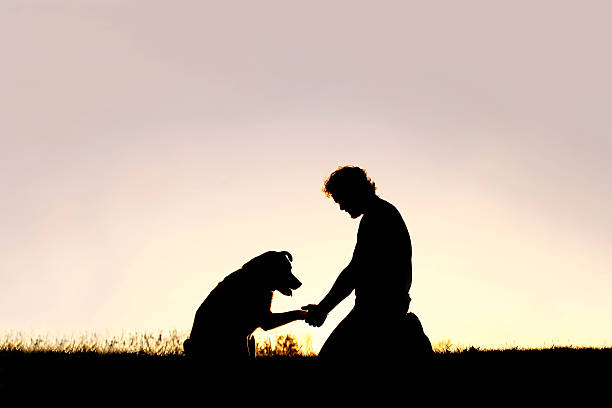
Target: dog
224 323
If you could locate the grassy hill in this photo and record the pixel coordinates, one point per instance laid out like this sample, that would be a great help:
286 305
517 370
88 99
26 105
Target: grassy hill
291 370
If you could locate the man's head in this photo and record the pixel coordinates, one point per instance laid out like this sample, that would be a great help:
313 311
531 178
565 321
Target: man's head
351 188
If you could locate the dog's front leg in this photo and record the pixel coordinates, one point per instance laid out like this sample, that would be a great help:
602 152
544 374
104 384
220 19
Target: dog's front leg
251 346
274 320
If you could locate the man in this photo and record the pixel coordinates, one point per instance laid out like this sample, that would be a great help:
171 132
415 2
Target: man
380 273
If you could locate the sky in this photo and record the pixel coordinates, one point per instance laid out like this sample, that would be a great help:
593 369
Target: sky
150 148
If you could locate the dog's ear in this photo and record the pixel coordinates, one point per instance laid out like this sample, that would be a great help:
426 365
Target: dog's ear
265 259
288 255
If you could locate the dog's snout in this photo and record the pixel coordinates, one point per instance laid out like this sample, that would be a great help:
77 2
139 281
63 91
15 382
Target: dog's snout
295 284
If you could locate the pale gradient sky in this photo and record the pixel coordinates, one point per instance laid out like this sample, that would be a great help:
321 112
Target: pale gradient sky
150 148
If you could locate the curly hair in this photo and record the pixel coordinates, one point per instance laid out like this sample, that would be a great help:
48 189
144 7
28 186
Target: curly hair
348 179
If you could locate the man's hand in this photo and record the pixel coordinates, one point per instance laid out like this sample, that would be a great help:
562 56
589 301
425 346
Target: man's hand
316 317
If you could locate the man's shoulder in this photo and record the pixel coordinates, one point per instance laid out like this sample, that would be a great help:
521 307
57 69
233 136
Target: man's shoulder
383 208
382 215
384 203
378 214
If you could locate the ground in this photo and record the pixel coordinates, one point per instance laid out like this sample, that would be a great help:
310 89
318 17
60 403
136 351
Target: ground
552 373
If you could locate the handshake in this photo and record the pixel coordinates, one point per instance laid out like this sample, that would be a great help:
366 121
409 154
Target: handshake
313 315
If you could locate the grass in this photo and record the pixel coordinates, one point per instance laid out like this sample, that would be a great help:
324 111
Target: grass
149 343
154 361
161 343
170 343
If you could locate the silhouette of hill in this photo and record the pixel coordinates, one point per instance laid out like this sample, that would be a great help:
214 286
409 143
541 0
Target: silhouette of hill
513 370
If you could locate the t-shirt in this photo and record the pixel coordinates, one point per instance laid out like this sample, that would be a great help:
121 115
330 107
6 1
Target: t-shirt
383 261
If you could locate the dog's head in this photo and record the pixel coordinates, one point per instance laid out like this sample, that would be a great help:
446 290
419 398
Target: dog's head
273 269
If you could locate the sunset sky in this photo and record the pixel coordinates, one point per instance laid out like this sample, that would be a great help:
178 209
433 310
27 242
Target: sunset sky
149 148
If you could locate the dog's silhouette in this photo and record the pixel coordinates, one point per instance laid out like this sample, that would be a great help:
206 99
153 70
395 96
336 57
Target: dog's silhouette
225 321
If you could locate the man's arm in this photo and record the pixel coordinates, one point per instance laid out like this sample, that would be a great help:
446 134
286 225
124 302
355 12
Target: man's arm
342 287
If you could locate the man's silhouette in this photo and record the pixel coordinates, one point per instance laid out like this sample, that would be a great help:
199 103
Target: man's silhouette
380 273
